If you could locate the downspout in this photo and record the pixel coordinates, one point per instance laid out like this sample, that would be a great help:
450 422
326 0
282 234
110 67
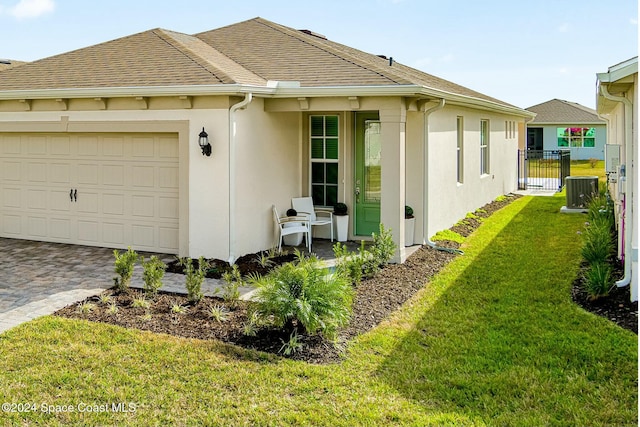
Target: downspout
628 207
232 173
425 180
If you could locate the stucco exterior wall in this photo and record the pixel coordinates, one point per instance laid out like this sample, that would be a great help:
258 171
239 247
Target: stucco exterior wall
550 141
269 166
450 201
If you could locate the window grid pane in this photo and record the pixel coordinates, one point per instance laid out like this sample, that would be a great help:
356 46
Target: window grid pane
324 155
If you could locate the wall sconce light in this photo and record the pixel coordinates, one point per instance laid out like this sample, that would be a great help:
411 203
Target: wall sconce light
203 141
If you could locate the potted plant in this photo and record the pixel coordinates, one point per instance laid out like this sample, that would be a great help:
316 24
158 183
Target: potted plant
296 238
409 225
341 218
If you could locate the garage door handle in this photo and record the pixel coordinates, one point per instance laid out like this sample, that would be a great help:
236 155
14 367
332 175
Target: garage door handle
71 194
75 195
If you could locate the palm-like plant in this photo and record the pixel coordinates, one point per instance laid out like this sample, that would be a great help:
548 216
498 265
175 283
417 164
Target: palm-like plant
302 297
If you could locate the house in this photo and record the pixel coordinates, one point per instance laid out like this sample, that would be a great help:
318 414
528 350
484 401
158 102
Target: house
564 125
100 146
617 100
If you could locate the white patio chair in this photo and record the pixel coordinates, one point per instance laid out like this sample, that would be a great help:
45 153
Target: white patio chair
295 224
304 206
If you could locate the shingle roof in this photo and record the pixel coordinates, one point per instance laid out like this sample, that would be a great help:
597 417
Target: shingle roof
152 58
276 52
563 112
248 53
9 63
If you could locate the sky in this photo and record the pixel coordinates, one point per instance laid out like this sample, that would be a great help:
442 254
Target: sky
521 52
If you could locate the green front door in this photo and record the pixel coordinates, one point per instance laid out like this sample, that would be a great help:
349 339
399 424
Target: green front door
368 174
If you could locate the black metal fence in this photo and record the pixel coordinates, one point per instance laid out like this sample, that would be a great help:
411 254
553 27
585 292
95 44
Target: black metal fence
543 169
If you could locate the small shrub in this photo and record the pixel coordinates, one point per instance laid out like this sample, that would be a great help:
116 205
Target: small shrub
140 302
264 260
598 245
194 278
146 317
348 264
598 280
153 272
124 264
448 235
113 308
292 346
219 313
593 162
301 296
501 198
178 309
86 307
408 212
383 248
105 299
232 282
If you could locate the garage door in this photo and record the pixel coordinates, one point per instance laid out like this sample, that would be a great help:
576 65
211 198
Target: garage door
111 190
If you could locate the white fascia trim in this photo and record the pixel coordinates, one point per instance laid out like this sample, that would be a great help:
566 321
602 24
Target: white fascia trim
275 91
400 90
620 71
123 92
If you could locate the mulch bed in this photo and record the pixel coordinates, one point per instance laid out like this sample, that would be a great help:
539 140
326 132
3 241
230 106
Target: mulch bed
374 300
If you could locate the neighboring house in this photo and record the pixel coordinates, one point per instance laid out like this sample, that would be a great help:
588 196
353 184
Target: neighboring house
99 146
564 125
617 99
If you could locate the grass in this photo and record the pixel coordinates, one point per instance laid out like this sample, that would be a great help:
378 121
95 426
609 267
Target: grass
493 340
583 168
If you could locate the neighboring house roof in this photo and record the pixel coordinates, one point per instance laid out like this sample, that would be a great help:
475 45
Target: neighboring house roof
253 53
9 63
563 112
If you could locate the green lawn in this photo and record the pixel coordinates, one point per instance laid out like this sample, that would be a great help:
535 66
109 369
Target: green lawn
583 168
494 339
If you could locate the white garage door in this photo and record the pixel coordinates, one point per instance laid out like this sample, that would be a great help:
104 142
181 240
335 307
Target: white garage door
112 190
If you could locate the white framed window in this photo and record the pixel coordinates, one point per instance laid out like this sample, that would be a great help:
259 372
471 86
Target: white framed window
460 149
576 137
484 147
324 149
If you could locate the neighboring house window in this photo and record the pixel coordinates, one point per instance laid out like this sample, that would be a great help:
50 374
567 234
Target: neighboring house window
460 149
484 147
324 160
576 137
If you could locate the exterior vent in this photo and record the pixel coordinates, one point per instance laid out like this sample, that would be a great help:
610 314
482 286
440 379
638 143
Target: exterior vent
579 190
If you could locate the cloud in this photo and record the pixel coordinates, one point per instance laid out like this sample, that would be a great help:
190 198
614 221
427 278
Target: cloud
26 9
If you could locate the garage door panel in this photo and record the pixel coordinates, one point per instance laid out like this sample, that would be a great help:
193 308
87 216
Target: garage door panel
89 232
11 145
60 146
113 234
37 199
12 171
12 198
37 226
60 173
36 172
113 175
143 235
143 206
12 225
113 204
60 229
37 145
127 189
87 174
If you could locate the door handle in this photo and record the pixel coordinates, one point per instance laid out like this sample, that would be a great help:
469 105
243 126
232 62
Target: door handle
357 191
75 195
71 194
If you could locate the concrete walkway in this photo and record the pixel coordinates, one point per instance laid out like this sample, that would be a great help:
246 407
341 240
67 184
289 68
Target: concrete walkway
38 278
